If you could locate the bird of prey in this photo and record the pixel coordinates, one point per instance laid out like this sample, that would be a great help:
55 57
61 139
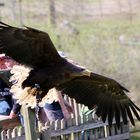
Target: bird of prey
41 64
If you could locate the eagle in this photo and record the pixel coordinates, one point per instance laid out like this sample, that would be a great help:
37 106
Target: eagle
41 68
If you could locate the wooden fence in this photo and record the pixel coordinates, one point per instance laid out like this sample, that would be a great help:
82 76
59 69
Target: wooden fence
67 130
79 127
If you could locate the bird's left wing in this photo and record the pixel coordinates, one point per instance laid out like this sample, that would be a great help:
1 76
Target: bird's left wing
106 94
27 46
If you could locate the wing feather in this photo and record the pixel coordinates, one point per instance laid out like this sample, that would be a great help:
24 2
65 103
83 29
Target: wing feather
135 112
123 112
111 112
28 46
130 114
106 94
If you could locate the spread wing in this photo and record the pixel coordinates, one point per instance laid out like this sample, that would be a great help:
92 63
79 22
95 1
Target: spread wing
105 94
28 46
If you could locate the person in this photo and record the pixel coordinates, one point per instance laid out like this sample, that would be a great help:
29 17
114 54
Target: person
8 106
55 108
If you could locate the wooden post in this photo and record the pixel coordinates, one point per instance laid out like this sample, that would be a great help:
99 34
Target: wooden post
13 9
45 136
130 11
120 6
52 12
101 8
20 13
29 123
1 5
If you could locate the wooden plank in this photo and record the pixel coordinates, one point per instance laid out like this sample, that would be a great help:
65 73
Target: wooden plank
58 138
69 122
90 117
91 133
117 137
125 128
79 120
72 136
52 125
69 137
18 138
119 131
3 135
45 135
29 123
63 124
57 124
73 122
15 132
79 109
63 137
112 129
9 123
0 132
105 131
84 135
9 133
96 133
76 136
74 129
76 112
21 131
70 101
79 135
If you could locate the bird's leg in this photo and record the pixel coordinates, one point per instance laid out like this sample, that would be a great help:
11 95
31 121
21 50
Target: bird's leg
37 109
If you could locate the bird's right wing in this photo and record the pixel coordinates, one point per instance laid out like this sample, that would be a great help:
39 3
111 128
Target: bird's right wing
106 94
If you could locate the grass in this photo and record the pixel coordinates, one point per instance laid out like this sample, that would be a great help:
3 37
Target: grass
133 137
97 45
105 45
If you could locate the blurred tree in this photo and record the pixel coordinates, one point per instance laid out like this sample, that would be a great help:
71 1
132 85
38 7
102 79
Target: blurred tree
52 12
1 5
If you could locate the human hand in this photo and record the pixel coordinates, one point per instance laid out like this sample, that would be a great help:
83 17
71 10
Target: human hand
12 115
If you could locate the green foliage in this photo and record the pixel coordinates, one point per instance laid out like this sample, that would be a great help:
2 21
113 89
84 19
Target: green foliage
135 138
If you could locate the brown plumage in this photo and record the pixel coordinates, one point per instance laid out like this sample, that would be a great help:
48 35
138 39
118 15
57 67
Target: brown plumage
41 64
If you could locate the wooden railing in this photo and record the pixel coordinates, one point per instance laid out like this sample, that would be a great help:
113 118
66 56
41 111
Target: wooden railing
90 130
86 129
10 128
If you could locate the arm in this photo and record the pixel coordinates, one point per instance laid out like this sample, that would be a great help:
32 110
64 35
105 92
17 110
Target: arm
59 98
15 109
